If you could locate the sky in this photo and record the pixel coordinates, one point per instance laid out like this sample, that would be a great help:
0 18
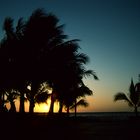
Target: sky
109 31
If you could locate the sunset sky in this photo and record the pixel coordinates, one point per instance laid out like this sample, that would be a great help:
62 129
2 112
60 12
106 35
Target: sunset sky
109 31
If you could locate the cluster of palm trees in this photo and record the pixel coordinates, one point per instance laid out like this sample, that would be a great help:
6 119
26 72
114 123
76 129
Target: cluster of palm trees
133 98
35 56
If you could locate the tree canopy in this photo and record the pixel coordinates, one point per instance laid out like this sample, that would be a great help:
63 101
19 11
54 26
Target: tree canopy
35 51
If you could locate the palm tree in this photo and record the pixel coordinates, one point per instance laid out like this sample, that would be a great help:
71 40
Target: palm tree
34 39
41 36
82 102
133 98
2 101
38 95
9 53
78 68
82 92
76 98
72 78
48 57
53 99
12 95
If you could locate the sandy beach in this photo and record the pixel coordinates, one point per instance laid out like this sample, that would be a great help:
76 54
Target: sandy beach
82 128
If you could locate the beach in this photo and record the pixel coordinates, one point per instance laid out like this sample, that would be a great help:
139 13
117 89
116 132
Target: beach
82 128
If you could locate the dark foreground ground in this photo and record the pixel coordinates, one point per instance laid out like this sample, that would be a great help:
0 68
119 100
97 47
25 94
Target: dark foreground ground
41 127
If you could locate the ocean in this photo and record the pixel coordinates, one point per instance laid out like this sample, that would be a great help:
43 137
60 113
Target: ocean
105 115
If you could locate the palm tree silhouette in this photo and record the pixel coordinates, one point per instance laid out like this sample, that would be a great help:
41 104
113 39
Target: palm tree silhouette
79 89
10 46
2 101
35 51
70 71
34 39
40 95
75 71
133 98
12 95
42 35
82 102
82 92
77 98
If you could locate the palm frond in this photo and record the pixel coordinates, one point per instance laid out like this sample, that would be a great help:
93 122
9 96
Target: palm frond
42 97
60 31
12 95
84 90
82 58
94 75
38 13
89 73
81 102
72 43
122 96
20 26
8 26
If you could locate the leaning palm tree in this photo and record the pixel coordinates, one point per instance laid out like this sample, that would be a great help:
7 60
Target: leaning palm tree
133 98
82 92
77 98
82 102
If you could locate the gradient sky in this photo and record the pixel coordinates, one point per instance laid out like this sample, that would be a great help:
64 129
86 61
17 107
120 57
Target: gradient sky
109 31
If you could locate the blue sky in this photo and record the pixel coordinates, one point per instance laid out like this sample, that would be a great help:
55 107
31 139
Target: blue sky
109 31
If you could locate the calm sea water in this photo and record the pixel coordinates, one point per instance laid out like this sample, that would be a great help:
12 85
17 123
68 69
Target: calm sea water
106 115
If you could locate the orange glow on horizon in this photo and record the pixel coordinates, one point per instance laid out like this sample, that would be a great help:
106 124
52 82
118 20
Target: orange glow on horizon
41 107
44 107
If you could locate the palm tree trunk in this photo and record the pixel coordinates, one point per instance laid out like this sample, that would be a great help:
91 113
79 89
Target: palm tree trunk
13 108
61 107
0 102
21 108
68 111
52 104
136 111
3 101
75 111
32 105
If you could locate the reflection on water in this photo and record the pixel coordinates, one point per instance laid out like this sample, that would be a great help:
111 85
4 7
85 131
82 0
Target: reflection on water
106 115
